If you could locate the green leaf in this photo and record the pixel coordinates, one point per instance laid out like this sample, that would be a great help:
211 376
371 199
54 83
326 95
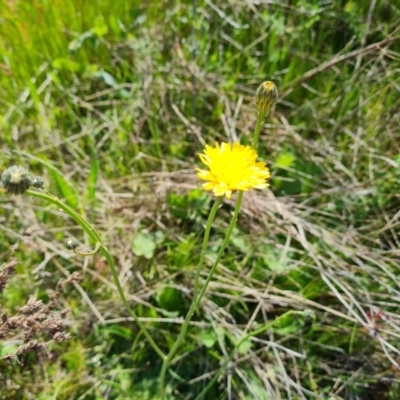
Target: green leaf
144 244
193 205
66 64
288 325
284 160
106 77
67 193
245 346
169 299
208 338
100 28
240 242
178 205
120 331
109 80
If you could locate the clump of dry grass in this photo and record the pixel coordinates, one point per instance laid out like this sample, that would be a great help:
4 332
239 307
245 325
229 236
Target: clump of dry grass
6 272
36 325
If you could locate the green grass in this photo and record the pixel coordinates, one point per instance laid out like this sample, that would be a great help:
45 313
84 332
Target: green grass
111 101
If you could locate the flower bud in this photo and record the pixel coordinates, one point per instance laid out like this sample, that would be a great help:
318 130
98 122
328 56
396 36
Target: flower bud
38 182
266 96
71 243
16 180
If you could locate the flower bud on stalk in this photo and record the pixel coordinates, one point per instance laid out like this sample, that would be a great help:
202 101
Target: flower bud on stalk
38 182
266 96
71 243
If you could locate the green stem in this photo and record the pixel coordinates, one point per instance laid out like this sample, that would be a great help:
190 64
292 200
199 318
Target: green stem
92 233
260 120
237 345
89 253
197 299
71 212
182 333
126 304
221 250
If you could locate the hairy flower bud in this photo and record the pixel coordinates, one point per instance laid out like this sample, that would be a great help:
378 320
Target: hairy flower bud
266 96
38 182
16 180
71 243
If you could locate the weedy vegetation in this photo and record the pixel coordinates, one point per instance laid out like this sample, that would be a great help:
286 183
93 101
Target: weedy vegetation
110 103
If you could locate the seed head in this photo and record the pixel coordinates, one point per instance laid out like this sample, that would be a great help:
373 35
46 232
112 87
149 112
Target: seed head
16 180
266 96
71 243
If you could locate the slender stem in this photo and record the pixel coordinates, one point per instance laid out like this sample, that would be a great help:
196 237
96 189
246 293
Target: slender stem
260 120
126 304
197 299
221 250
93 234
257 130
182 333
237 345
71 212
210 220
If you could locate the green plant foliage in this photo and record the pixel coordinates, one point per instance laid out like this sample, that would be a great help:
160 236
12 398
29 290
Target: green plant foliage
192 206
208 338
145 244
169 299
111 102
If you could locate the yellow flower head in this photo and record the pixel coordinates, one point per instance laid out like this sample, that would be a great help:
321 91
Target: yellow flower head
232 167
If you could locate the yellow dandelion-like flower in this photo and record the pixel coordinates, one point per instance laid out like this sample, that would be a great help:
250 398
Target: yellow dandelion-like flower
232 167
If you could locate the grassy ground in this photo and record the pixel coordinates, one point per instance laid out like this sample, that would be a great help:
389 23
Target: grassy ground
111 101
